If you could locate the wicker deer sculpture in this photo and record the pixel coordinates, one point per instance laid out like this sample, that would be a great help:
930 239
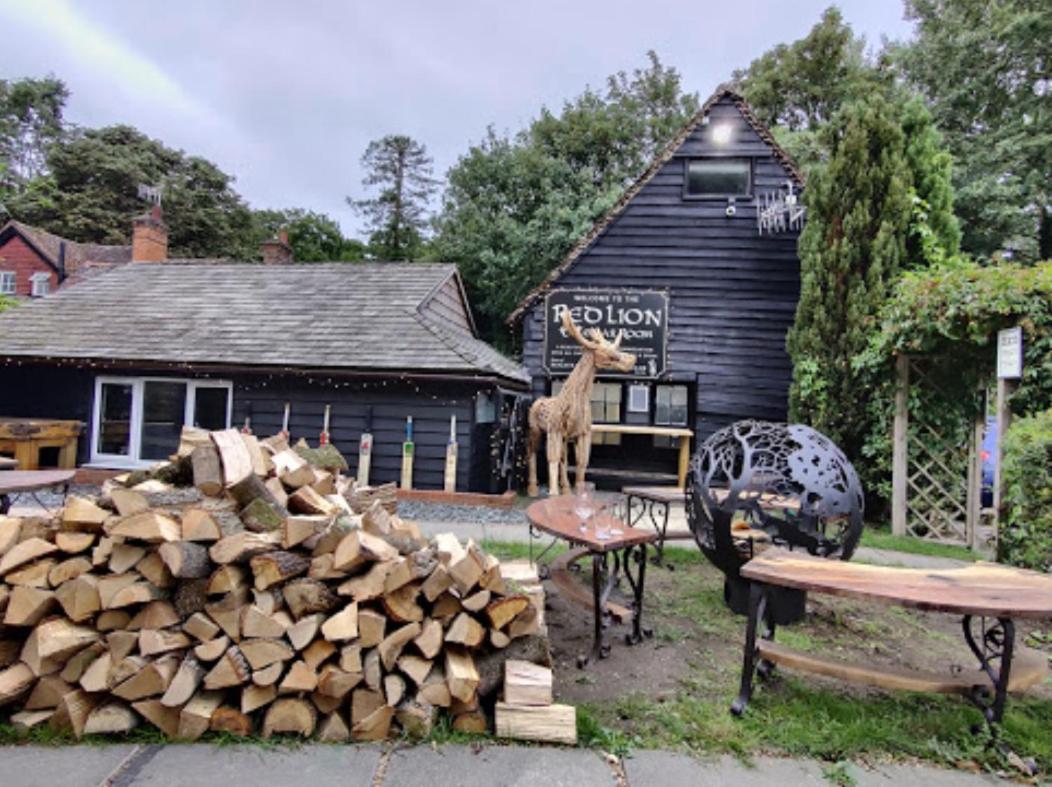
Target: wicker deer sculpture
568 416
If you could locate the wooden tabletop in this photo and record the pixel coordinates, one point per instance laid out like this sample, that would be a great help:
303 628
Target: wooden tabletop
661 431
555 516
976 589
30 480
659 494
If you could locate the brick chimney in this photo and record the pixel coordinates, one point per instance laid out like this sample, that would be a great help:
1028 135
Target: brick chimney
150 237
277 251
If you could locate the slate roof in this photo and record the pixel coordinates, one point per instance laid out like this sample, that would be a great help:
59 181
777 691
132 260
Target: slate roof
662 158
79 256
346 316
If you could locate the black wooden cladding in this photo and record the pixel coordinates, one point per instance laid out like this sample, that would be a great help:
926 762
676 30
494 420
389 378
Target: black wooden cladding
733 292
40 391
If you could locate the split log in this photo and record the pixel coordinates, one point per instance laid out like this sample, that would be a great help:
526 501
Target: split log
233 456
186 559
416 668
446 607
262 653
254 623
437 584
260 516
461 675
343 625
277 491
465 630
260 460
109 586
391 647
111 717
401 605
155 571
268 676
374 727
151 526
371 626
290 715
155 615
336 682
26 552
435 690
292 469
207 470
476 602
358 548
121 643
239 546
163 718
96 676
150 679
72 712
202 627
299 678
225 579
47 693
34 575
255 697
498 639
128 501
15 681
65 571
196 716
230 720
272 568
198 524
306 500
333 729
551 723
367 586
472 721
502 611
72 543
526 683
490 666
394 689
183 686
525 623
135 593
26 606
231 670
79 513
190 597
318 652
213 649
79 598
351 658
123 557
371 671
153 642
307 596
303 632
297 529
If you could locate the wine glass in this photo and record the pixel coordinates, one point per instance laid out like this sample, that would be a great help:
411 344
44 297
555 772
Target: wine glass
584 504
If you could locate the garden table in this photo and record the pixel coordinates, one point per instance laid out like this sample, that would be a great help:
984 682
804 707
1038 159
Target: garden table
624 553
655 502
986 594
18 482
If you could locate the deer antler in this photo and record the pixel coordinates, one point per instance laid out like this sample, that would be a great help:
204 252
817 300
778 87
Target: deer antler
575 332
617 340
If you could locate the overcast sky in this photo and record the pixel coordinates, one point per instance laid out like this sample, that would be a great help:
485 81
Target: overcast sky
285 95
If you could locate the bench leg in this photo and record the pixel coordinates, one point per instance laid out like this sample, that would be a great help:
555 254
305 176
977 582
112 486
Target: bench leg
635 559
994 649
757 613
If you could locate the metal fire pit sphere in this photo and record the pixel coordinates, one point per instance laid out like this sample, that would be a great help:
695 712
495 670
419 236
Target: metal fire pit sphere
757 481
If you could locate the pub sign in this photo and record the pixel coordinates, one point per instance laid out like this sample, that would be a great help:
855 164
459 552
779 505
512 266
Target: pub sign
641 314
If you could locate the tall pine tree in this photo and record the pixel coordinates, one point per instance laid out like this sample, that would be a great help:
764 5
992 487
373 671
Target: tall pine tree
880 190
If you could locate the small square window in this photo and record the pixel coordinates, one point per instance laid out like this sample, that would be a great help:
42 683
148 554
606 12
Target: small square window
41 284
639 399
670 405
719 177
7 282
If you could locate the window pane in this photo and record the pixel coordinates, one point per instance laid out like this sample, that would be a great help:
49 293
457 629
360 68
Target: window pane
727 176
7 282
115 419
210 406
163 411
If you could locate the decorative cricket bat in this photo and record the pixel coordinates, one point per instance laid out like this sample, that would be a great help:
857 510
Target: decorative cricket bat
323 438
365 449
285 421
451 456
407 455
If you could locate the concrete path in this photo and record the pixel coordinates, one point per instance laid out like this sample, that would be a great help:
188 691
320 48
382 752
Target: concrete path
204 765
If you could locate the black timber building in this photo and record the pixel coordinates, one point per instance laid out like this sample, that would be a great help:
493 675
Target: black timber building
138 351
705 298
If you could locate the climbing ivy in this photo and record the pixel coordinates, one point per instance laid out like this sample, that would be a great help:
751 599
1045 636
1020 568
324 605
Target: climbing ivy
1026 532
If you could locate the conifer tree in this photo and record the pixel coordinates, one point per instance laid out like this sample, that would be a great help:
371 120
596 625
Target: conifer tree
851 251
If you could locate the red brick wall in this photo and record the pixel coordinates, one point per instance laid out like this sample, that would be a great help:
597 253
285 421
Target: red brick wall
17 256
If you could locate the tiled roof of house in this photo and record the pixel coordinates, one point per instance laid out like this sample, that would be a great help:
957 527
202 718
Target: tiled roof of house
346 316
78 255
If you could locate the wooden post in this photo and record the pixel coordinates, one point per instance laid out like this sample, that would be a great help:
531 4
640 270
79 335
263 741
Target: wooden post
684 461
1004 420
899 448
974 499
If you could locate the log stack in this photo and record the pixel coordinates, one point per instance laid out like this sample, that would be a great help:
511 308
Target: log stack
271 596
527 711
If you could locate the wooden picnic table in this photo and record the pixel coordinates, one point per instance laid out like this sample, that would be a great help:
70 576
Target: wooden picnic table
994 594
24 437
616 554
682 434
15 482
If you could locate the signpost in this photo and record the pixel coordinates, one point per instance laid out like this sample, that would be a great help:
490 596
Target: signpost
641 314
1009 369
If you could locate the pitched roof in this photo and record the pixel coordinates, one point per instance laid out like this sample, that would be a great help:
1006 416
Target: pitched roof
339 316
662 158
78 255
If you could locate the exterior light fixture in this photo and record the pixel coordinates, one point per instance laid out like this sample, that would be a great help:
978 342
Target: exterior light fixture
722 133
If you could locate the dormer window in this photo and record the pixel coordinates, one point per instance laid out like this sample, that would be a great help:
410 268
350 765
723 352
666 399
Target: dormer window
7 282
718 178
41 284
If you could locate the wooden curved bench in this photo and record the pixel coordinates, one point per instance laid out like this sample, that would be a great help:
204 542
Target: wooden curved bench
572 589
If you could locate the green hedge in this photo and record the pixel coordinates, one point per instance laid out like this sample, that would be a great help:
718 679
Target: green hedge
1026 533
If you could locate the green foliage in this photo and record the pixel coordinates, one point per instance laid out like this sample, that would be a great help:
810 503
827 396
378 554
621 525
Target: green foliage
397 216
982 66
30 121
314 237
91 194
1026 533
951 315
851 250
7 302
515 205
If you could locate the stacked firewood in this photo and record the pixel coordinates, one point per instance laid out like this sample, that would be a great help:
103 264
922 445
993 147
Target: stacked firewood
248 587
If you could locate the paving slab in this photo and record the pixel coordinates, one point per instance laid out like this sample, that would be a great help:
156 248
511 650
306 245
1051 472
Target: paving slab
60 766
498 766
203 765
664 769
919 776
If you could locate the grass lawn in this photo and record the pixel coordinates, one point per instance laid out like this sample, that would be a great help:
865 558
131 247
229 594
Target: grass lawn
881 538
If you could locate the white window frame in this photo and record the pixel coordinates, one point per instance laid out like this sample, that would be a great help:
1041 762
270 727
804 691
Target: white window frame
12 277
639 398
38 279
132 460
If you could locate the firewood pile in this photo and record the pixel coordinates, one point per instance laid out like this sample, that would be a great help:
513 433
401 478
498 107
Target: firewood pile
248 587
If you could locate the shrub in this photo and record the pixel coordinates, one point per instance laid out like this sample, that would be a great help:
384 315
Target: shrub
1026 484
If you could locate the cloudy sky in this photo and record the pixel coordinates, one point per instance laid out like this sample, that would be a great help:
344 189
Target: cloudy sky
286 94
